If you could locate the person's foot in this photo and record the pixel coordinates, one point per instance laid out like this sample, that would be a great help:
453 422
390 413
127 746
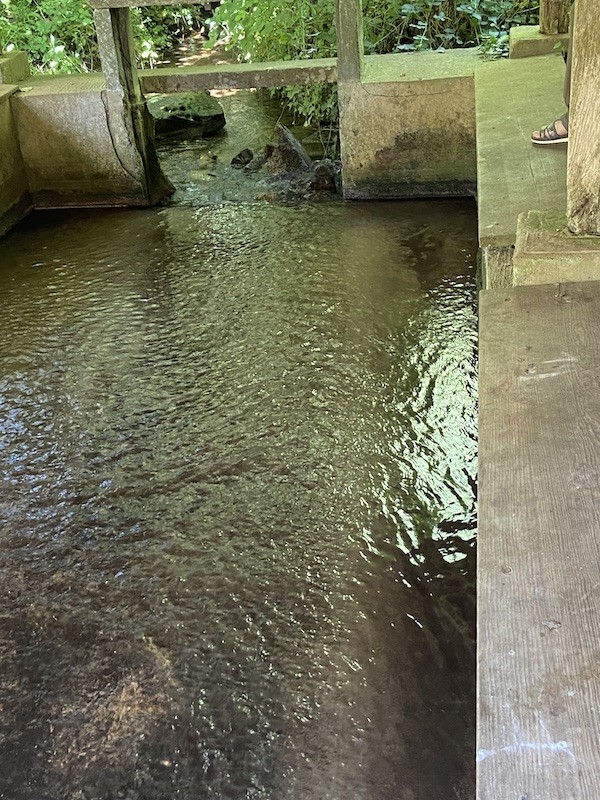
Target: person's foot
556 133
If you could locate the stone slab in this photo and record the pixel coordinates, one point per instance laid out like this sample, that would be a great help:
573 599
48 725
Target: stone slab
408 129
547 252
513 98
80 84
526 41
425 65
14 197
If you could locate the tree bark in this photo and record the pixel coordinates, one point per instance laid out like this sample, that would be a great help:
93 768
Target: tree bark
583 169
554 16
350 42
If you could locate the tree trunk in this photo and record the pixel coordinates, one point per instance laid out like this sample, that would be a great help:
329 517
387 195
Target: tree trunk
554 16
583 169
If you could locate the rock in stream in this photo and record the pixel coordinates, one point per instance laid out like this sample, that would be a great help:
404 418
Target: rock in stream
173 112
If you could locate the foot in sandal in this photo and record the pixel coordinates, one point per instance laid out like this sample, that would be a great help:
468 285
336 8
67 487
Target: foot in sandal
556 133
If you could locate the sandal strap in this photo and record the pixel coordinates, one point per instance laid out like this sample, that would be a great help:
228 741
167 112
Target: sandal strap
550 134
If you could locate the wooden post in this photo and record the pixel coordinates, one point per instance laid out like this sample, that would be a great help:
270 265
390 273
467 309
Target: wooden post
583 167
554 16
117 57
350 43
128 119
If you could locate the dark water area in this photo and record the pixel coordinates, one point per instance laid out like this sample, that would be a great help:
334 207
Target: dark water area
237 516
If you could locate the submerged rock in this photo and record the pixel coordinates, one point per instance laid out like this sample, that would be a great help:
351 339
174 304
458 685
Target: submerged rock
324 176
173 112
284 172
243 158
256 164
288 155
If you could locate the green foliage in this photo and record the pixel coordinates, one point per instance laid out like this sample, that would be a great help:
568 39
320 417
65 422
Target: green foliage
268 30
59 34
392 25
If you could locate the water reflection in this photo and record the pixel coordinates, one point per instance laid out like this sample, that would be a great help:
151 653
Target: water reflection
238 454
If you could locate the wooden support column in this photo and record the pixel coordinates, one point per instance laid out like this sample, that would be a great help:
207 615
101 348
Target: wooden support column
117 57
554 16
128 120
583 168
350 42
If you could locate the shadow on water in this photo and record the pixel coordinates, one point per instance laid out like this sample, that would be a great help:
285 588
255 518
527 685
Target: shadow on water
238 463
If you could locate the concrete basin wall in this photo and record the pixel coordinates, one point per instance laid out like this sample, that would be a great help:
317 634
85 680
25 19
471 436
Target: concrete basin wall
70 154
15 201
407 129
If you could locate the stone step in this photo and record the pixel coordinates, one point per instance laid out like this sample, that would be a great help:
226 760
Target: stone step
546 251
526 41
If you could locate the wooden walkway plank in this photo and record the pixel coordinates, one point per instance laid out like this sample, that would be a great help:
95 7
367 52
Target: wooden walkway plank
539 544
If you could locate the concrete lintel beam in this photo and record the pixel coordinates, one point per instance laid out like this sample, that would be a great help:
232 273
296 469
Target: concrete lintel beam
239 76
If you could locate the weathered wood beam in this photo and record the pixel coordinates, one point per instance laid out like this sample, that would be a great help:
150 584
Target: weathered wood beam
239 76
583 165
129 123
554 16
538 545
350 41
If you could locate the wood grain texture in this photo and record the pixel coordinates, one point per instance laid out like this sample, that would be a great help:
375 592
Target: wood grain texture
539 544
554 16
583 172
350 41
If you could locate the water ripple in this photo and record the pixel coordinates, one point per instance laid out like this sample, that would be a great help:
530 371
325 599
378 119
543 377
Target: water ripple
237 516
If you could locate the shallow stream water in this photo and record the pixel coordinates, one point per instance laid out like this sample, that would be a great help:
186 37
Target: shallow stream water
237 509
